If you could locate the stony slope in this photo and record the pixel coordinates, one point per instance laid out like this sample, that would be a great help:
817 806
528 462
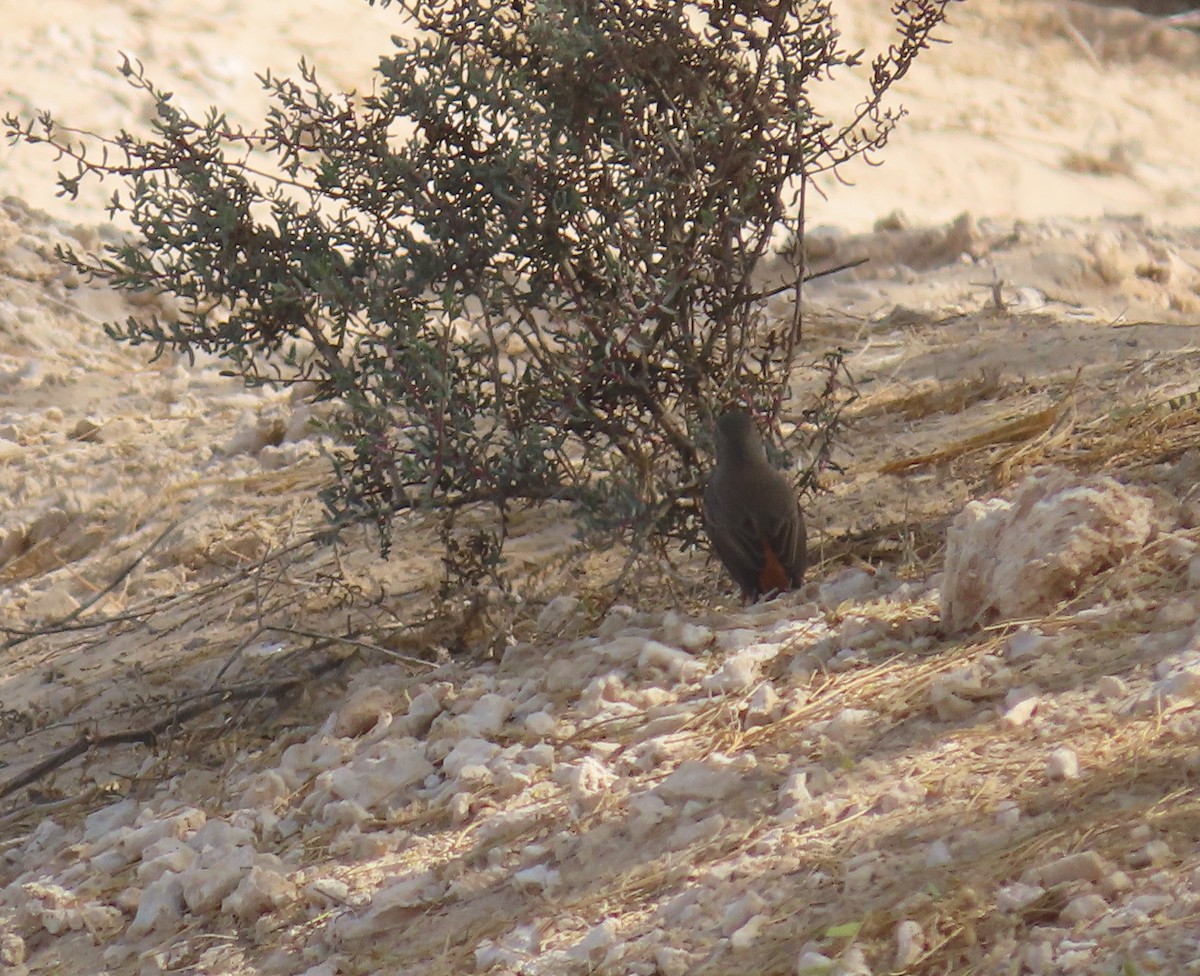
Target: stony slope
307 771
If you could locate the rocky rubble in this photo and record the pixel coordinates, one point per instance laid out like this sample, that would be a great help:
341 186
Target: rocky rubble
663 793
966 747
855 778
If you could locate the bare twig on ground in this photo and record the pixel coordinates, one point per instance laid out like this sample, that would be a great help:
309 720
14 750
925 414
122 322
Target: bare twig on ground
87 742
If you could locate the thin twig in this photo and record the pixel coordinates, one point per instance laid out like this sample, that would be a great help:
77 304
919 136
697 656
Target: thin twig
351 641
88 741
67 622
1080 41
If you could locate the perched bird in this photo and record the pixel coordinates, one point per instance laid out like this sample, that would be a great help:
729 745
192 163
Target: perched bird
752 513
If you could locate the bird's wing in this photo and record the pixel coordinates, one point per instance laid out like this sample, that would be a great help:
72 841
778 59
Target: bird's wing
737 540
785 534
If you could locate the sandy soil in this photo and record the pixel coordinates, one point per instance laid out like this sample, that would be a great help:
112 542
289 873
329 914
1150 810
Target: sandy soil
545 781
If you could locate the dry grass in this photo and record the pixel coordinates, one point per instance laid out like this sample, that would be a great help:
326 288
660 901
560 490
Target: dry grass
911 775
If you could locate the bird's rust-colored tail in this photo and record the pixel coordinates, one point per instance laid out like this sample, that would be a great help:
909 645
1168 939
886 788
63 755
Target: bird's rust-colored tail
773 577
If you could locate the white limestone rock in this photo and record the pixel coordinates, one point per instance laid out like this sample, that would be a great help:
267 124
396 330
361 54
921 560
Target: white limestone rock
910 943
214 875
712 778
160 907
677 663
1008 558
587 782
1063 764
685 633
557 614
365 710
376 776
261 890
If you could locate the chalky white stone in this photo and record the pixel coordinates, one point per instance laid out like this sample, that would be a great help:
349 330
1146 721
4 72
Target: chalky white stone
1063 764
1007 558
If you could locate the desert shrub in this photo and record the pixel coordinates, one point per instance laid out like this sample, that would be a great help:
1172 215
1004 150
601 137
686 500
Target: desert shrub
522 267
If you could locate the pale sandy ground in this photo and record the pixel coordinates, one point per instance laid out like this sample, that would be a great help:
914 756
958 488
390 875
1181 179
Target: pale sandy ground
1002 120
673 785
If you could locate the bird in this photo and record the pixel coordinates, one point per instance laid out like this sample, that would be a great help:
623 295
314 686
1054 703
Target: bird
751 512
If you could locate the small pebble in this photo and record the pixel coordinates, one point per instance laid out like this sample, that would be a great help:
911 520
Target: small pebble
910 943
813 963
938 854
1082 866
1008 814
1083 908
1154 854
1024 644
1062 764
1021 710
